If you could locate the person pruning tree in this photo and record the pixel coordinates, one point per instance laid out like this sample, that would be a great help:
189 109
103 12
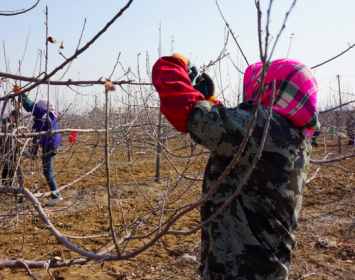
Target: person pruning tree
350 127
45 119
252 237
8 148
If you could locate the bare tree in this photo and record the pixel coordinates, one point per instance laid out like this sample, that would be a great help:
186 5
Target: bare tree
115 146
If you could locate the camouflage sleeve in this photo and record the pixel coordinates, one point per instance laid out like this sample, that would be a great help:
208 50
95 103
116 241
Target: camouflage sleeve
217 128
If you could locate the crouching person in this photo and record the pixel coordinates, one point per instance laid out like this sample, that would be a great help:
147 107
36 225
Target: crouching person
45 119
252 237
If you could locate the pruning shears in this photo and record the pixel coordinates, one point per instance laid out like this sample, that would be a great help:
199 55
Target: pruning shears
198 72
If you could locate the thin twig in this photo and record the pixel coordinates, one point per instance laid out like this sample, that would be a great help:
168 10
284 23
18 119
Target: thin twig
231 32
282 28
18 13
74 56
81 36
28 269
107 165
333 57
114 68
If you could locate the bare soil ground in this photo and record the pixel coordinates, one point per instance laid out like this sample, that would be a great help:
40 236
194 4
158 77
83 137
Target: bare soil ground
325 235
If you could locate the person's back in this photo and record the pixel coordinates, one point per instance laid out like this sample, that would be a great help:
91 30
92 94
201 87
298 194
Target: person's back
268 203
251 238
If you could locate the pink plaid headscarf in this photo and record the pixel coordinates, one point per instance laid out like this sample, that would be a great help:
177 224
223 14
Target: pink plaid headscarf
43 103
295 94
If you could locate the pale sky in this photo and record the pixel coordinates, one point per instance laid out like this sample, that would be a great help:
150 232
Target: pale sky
321 28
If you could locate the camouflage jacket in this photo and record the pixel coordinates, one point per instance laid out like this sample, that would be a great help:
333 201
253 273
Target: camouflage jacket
251 238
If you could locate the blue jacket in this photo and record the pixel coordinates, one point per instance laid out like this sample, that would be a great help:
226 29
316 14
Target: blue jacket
41 123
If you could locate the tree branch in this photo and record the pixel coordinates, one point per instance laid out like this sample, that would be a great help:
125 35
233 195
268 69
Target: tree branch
75 55
66 83
18 13
333 57
231 32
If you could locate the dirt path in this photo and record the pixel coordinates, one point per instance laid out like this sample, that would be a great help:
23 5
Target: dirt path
326 232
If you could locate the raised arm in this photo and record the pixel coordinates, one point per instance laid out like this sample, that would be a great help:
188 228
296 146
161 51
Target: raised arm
26 102
177 95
